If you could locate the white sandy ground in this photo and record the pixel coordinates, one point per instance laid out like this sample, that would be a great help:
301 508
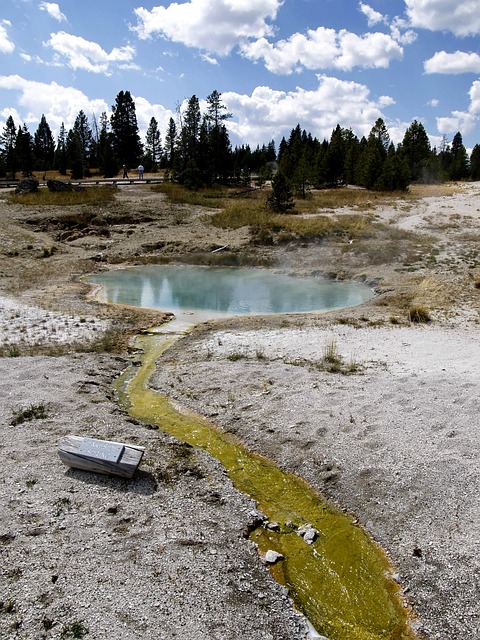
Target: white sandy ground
24 324
396 443
159 557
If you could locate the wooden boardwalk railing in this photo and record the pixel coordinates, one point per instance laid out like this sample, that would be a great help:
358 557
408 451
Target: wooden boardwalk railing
11 184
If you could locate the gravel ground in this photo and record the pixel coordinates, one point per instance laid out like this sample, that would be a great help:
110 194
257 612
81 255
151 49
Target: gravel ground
164 555
395 441
160 556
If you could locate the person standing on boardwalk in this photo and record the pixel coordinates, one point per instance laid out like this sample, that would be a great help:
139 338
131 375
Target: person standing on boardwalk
140 172
125 172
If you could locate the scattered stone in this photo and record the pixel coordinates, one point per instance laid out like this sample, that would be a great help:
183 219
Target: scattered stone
29 185
60 185
271 557
272 526
313 633
7 538
308 533
256 520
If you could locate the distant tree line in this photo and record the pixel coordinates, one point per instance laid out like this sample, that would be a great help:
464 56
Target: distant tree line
374 162
196 151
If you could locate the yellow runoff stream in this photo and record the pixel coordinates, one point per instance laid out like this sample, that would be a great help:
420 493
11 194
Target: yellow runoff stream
342 582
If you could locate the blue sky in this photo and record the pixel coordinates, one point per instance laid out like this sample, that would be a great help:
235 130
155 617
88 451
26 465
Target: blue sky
277 63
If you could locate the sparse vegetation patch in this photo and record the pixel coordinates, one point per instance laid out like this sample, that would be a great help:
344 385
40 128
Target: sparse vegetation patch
32 412
419 314
44 197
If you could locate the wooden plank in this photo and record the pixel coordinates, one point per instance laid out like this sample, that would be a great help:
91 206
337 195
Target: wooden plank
94 455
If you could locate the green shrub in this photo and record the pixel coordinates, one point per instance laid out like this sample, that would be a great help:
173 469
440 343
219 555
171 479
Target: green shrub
33 412
74 630
233 357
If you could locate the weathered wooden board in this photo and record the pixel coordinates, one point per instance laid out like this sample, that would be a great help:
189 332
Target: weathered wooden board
100 456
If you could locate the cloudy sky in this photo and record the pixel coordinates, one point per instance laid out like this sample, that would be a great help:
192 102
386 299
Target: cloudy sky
277 63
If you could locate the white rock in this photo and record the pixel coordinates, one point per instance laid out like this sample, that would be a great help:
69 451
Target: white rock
271 557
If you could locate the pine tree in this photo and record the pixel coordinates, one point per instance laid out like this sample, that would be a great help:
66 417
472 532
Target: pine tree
60 158
271 154
281 198
417 152
395 174
43 146
108 165
126 139
459 169
153 146
475 163
24 147
75 155
374 155
170 143
352 153
218 141
290 152
335 159
302 175
7 144
84 137
190 131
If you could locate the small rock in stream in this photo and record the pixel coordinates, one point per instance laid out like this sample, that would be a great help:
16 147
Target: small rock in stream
308 533
271 557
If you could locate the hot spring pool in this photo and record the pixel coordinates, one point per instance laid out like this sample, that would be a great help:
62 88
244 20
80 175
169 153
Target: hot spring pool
225 290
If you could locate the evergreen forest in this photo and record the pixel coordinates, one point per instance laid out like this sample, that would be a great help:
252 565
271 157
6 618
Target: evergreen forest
195 150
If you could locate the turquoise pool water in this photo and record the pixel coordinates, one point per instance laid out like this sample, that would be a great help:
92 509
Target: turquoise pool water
225 291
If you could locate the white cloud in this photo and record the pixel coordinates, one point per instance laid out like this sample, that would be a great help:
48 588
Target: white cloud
6 113
6 45
459 121
58 103
26 57
216 26
401 33
79 53
475 98
62 104
130 67
373 17
268 114
372 50
209 59
461 17
453 63
145 111
53 10
324 49
433 102
463 121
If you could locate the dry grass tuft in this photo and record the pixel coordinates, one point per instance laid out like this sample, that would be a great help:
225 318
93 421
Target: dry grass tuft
44 197
419 314
332 361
